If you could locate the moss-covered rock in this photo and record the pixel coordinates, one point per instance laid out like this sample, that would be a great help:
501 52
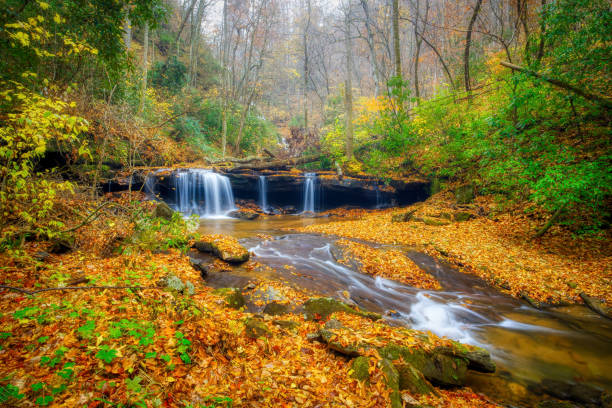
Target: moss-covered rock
334 343
255 328
412 379
286 324
203 246
392 379
361 367
462 216
162 210
231 252
321 308
464 194
233 297
478 358
403 217
276 308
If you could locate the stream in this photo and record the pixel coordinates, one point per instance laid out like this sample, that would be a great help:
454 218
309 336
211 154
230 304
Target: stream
568 344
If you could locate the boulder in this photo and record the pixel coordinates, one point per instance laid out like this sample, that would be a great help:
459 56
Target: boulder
62 244
276 308
321 308
175 283
255 328
203 246
403 217
597 305
577 392
478 358
437 367
233 297
41 256
286 324
243 214
556 404
464 194
201 266
462 216
162 210
412 380
361 367
392 379
231 252
350 350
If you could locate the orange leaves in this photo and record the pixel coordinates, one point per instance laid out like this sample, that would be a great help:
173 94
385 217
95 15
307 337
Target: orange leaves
389 263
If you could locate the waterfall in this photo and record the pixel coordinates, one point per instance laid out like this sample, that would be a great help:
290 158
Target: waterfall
263 193
149 186
310 190
203 192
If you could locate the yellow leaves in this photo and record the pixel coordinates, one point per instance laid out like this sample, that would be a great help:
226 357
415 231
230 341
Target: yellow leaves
21 37
57 19
43 5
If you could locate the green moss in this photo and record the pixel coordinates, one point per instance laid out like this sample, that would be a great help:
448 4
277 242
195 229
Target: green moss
361 366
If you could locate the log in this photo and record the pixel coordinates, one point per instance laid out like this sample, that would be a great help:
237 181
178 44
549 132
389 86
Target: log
602 100
269 153
274 164
243 160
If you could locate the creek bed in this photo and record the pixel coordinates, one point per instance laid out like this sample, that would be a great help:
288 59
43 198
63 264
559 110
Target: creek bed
569 344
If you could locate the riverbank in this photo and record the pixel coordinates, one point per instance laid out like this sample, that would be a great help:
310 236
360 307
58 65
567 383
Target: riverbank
553 270
101 324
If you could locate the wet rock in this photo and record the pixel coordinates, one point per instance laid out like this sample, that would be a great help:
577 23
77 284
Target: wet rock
437 367
465 194
243 215
268 294
233 254
577 392
361 367
255 328
276 308
203 246
62 245
478 358
162 210
412 380
289 209
321 308
201 266
233 297
556 404
597 305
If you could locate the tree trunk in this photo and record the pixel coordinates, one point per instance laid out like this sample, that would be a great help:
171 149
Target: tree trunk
274 164
182 26
225 46
127 33
306 67
145 68
468 43
370 40
348 88
396 39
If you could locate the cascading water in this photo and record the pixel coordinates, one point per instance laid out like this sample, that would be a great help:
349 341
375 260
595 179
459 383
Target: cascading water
263 193
203 192
149 186
310 180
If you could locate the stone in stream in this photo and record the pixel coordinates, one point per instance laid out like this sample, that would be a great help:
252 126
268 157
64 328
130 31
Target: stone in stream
227 249
577 392
243 215
321 308
597 305
201 266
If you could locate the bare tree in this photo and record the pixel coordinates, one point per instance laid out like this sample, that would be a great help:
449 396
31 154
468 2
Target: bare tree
468 43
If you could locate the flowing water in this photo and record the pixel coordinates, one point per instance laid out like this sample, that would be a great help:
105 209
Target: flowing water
203 192
263 193
310 191
570 344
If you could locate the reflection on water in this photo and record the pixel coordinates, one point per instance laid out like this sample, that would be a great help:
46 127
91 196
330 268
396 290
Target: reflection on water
528 345
269 225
